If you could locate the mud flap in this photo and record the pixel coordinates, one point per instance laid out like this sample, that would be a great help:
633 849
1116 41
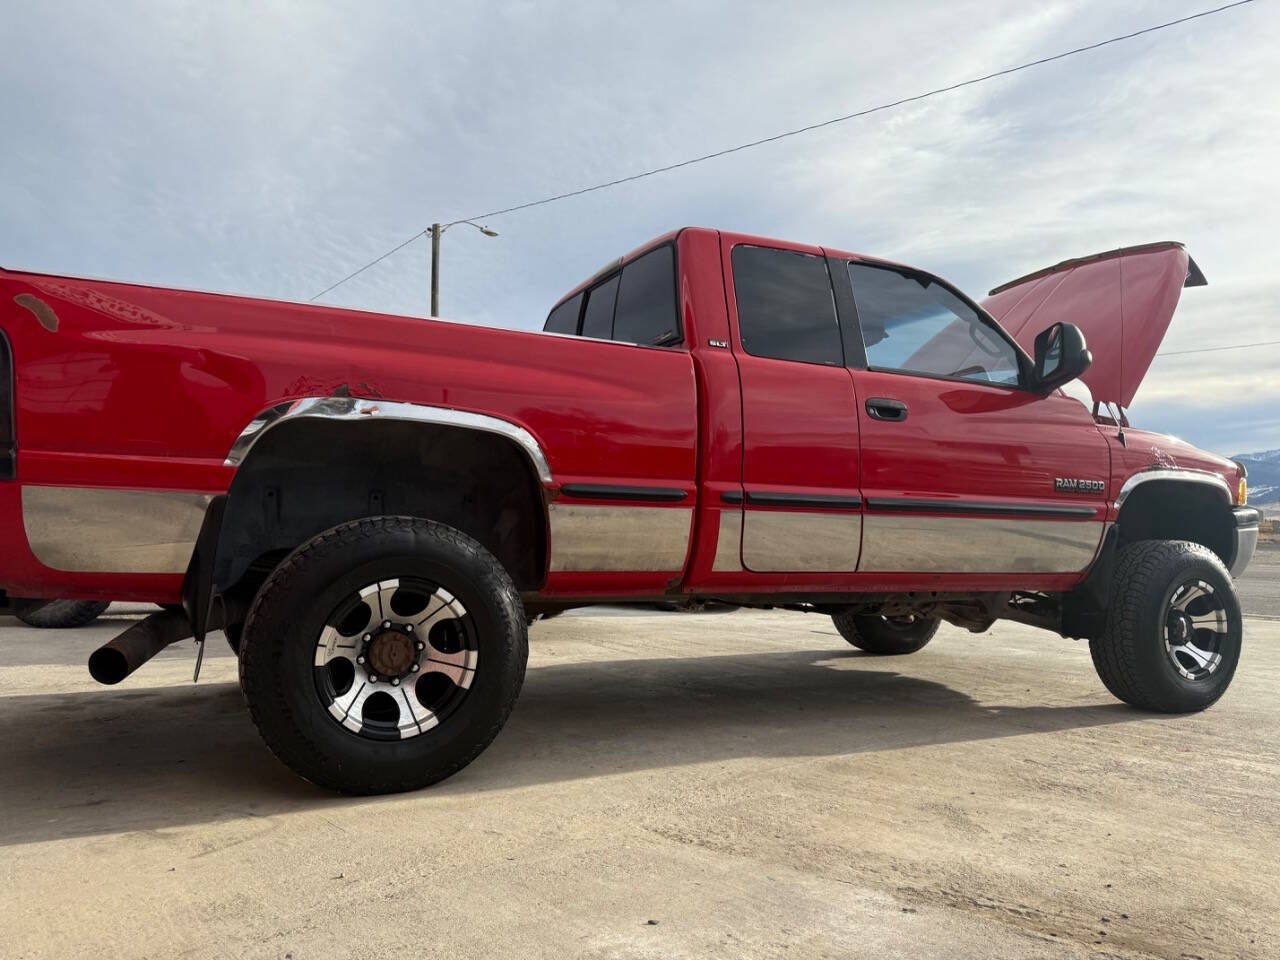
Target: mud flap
198 589
1084 609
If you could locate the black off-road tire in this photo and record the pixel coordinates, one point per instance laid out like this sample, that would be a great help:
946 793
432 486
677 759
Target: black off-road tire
1130 654
886 636
277 648
64 614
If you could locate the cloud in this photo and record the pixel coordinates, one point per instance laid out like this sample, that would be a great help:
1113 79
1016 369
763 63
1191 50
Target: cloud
272 148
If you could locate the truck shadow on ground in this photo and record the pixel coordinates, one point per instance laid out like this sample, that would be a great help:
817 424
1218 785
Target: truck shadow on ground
112 761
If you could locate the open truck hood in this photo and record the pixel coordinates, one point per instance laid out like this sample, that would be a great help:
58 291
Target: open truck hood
1123 300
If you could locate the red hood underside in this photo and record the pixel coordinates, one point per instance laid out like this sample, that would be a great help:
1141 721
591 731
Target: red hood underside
1123 301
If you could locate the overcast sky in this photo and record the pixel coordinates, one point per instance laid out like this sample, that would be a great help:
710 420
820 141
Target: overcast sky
271 148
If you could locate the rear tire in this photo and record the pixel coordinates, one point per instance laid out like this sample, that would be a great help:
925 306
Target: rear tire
1173 629
64 614
885 636
328 730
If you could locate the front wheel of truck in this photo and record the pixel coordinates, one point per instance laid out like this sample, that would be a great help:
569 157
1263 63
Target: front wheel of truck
383 655
1173 630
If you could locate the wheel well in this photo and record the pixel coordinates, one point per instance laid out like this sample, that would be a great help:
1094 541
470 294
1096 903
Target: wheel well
1172 510
306 476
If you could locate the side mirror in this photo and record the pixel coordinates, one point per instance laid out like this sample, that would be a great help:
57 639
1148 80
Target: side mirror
1061 356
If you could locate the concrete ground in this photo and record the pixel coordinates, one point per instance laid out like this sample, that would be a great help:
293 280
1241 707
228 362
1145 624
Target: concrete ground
1259 588
717 785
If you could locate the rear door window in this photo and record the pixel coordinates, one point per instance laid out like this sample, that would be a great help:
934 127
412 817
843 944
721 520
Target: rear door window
785 306
646 310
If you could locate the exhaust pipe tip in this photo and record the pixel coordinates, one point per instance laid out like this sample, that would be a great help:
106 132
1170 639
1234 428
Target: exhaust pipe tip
115 660
108 665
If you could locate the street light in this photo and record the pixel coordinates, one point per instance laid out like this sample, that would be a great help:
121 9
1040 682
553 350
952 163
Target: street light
437 229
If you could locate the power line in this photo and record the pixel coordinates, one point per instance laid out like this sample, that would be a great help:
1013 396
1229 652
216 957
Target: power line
356 273
1234 346
805 129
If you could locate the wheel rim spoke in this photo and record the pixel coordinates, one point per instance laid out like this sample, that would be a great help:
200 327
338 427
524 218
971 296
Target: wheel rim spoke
1216 621
442 606
423 718
348 709
378 597
1203 658
459 667
333 645
1194 592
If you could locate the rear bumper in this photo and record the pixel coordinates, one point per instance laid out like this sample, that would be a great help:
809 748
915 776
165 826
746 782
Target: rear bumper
1246 538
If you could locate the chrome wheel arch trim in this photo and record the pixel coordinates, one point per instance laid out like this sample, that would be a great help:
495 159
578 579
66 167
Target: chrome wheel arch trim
1174 474
356 408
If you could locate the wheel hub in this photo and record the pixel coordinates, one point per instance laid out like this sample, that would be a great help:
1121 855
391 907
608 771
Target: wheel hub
390 653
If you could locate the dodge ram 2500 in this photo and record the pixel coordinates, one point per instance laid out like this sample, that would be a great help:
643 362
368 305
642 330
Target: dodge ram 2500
374 508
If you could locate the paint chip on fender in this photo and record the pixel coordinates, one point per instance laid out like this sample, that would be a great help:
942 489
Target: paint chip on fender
43 312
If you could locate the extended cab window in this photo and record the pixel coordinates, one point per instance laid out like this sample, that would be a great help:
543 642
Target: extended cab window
597 319
646 311
785 307
914 324
637 305
564 318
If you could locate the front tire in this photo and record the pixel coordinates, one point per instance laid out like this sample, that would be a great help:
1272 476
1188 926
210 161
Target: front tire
885 636
383 655
65 614
1173 630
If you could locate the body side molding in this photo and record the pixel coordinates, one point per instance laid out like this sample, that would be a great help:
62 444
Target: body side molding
896 504
608 491
355 409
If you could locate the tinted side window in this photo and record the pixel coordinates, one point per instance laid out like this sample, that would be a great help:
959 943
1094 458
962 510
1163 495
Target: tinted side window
785 308
647 300
597 319
564 318
912 323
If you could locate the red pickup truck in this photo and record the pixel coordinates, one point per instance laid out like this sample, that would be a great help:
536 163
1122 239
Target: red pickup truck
374 508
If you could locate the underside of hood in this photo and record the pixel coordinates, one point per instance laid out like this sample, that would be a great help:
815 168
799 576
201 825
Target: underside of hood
1122 299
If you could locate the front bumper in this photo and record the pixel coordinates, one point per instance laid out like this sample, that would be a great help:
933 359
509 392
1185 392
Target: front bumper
1246 538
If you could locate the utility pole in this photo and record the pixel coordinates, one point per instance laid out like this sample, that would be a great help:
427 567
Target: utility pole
437 231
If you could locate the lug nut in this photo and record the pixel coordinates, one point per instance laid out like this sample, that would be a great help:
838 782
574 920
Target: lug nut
386 624
413 668
373 678
409 627
368 637
419 644
395 681
359 659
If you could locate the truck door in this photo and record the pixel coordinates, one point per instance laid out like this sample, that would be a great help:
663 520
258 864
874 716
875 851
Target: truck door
964 469
802 510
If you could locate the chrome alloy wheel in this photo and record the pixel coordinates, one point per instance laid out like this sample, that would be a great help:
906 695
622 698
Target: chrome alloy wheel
395 659
1195 628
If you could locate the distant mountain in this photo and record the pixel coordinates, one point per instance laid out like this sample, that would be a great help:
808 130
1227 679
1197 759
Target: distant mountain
1264 477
